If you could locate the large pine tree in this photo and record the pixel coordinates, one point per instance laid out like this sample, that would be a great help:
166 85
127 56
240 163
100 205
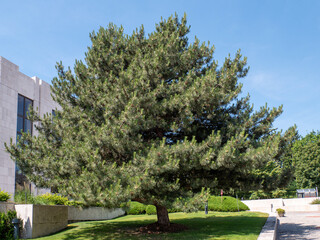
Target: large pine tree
150 118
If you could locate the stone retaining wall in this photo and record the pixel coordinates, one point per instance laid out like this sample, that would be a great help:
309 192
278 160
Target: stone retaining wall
93 213
6 206
41 220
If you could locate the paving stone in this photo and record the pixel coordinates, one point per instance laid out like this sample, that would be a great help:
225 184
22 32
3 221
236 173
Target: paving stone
299 225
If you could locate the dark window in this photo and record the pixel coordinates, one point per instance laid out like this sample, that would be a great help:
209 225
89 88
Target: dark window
23 123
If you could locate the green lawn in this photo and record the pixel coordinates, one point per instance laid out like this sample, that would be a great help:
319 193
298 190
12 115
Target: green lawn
215 225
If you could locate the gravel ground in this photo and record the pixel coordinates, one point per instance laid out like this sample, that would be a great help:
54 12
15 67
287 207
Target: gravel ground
299 225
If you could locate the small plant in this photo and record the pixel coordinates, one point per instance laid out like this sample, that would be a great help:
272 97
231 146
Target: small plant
316 201
280 212
4 196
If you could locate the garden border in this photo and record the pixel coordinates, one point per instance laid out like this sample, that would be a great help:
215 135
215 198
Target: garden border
270 228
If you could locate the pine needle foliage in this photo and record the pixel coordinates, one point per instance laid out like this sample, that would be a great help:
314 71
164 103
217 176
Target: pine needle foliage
149 118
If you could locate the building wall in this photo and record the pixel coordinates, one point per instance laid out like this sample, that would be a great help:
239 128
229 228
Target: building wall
12 83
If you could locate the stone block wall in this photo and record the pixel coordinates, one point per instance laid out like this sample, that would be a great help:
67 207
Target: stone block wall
6 206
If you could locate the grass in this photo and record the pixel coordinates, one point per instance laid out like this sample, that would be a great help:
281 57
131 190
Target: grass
215 225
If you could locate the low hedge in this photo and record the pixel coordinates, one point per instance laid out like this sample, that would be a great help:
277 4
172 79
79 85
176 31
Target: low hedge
151 210
136 208
228 204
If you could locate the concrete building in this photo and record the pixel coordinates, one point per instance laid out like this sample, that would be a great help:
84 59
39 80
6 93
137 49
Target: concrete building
17 93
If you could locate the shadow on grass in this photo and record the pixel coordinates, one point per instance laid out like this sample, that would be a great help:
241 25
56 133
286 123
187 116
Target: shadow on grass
65 229
199 228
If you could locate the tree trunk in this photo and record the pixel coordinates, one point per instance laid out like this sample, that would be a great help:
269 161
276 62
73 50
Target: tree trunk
163 216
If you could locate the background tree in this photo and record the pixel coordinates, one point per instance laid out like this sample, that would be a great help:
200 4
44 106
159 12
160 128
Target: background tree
306 160
278 172
151 119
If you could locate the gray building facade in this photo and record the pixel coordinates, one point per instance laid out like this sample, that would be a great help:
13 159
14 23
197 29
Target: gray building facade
17 93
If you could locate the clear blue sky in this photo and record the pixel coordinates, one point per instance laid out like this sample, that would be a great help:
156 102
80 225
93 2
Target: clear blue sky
280 38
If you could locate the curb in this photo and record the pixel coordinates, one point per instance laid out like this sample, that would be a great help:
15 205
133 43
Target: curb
269 230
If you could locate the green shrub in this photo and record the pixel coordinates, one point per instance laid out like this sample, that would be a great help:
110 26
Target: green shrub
22 197
228 204
74 203
6 226
260 194
280 211
136 208
151 210
4 196
316 201
52 199
279 193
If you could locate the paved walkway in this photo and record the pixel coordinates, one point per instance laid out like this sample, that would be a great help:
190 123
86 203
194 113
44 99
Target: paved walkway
299 225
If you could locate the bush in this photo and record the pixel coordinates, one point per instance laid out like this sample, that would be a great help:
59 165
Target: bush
229 204
151 210
52 199
316 201
260 194
74 203
4 196
279 193
44 199
136 208
6 226
22 197
280 211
